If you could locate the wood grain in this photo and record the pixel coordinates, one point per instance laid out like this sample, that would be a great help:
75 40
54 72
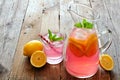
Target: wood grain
108 15
11 17
50 20
22 68
22 20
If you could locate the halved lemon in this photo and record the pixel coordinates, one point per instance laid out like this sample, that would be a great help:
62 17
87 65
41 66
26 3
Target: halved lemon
38 59
106 62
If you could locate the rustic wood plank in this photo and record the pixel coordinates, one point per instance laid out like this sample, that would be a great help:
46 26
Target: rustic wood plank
21 68
48 72
50 20
42 15
11 17
108 10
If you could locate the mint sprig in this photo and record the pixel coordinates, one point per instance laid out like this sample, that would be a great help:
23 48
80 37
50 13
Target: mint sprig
54 37
84 24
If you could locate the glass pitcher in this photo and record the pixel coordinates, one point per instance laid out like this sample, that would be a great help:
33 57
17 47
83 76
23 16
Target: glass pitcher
83 49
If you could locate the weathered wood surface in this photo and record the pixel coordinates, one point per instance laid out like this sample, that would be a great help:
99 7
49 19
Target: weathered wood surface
22 20
12 14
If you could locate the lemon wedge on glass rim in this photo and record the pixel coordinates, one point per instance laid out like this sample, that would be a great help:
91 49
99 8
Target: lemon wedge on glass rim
106 62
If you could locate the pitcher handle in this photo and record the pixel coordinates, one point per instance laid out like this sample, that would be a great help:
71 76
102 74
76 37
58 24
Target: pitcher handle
104 47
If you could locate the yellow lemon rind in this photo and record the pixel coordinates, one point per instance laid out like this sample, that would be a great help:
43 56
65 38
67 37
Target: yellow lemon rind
35 53
104 63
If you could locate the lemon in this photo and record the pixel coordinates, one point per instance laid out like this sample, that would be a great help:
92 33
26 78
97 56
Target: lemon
106 62
38 59
32 46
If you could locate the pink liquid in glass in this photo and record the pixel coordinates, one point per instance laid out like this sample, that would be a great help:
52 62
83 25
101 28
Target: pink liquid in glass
82 53
55 51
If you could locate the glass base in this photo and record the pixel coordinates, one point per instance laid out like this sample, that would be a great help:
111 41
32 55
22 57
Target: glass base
85 76
56 60
82 76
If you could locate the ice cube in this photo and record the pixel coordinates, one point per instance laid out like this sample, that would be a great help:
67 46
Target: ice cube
79 33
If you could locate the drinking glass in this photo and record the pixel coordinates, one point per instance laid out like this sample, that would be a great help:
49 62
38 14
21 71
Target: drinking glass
83 50
53 50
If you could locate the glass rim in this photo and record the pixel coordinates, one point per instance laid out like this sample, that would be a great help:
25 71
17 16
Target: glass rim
95 18
64 35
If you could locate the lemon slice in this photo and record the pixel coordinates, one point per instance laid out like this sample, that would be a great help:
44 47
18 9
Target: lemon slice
38 59
106 62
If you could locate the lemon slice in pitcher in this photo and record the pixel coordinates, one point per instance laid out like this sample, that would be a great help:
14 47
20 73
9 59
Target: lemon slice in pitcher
106 62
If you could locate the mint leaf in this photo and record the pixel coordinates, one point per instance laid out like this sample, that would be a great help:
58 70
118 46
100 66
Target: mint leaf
58 39
50 34
54 37
78 25
84 24
90 25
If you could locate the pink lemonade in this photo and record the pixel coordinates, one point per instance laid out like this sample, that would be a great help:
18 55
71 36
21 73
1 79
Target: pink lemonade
82 53
54 51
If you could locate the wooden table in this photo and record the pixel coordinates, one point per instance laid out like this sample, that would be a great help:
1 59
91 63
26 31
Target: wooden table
22 20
